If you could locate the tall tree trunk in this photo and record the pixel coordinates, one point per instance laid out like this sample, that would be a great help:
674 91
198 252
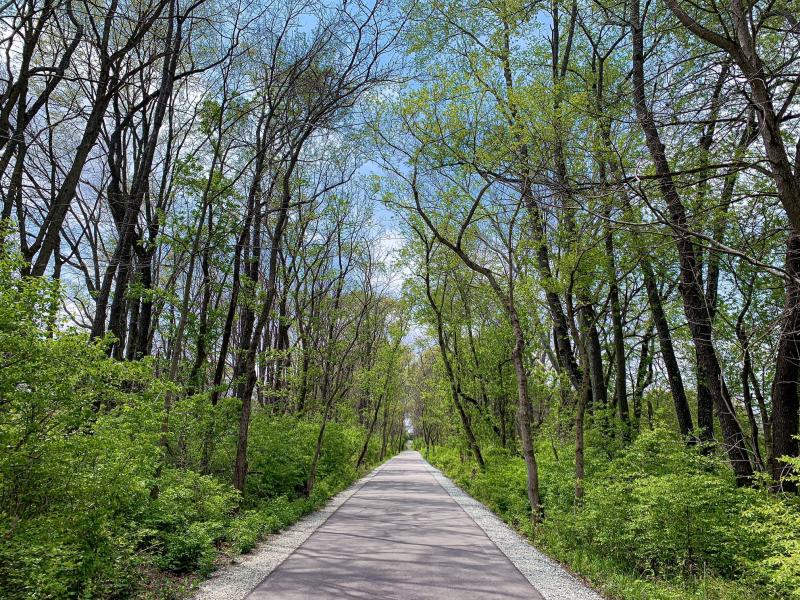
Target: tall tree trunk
620 382
691 290
682 411
120 263
580 421
787 371
594 353
705 403
455 391
644 372
525 419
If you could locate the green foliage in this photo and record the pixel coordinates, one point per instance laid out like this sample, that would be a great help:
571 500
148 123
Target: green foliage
777 524
270 516
282 448
79 435
189 515
662 509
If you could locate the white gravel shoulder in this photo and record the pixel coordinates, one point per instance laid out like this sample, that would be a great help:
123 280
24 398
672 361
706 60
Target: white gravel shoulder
237 580
546 575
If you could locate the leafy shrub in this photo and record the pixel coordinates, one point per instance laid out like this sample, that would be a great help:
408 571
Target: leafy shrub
663 509
186 520
281 449
47 557
248 528
777 524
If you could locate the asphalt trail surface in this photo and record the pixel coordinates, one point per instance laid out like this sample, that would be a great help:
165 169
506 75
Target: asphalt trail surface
400 536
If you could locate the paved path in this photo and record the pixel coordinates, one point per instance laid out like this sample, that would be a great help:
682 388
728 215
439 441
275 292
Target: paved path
400 536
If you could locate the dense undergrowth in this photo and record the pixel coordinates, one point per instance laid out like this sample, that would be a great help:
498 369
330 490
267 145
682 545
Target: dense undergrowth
94 503
659 521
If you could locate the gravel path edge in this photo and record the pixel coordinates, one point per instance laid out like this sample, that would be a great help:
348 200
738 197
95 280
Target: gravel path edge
552 580
237 580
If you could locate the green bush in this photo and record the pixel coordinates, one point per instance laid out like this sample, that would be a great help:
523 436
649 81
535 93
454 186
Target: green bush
248 528
87 523
777 524
92 502
281 449
79 436
664 509
187 519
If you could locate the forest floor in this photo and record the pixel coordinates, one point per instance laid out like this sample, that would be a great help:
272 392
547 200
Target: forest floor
404 531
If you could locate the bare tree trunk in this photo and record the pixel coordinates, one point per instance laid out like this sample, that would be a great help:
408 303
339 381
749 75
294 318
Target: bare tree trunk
455 390
525 418
787 372
682 411
691 291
